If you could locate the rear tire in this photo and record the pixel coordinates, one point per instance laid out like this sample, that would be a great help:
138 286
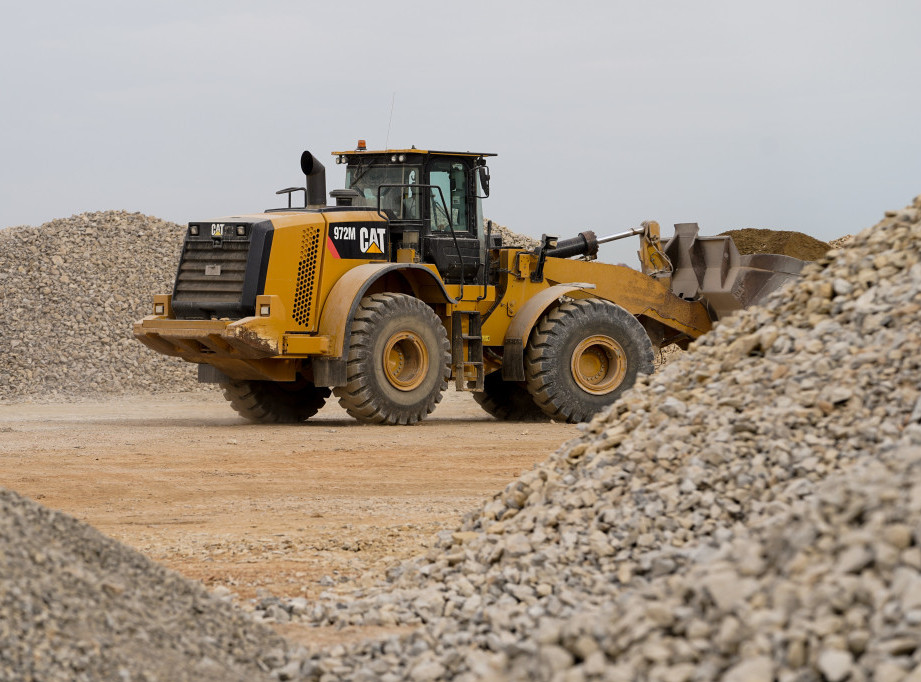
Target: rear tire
398 361
508 400
582 355
275 402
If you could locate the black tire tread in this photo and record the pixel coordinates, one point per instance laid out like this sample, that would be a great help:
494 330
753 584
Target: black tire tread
358 396
274 402
508 400
544 367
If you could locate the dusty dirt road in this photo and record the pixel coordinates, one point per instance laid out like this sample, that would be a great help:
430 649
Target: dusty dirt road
285 509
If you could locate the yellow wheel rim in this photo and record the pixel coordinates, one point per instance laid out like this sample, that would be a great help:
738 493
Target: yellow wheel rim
599 364
406 361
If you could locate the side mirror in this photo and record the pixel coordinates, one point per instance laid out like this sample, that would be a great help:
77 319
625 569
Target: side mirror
484 179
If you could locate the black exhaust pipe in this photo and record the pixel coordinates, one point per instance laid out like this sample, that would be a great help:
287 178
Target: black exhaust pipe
316 180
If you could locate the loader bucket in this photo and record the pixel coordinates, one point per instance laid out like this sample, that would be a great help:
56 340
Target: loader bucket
711 269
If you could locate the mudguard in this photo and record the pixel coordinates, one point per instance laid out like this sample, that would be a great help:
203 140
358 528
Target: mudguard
520 329
342 302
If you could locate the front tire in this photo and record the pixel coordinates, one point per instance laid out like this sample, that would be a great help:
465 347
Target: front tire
275 401
582 355
398 361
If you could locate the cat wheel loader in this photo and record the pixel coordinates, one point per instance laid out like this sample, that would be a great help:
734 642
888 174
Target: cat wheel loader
399 287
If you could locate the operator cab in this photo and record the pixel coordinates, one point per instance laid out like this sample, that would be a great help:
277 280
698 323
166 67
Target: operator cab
431 199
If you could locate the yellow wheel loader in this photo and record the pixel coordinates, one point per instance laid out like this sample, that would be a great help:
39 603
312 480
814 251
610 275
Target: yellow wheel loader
398 288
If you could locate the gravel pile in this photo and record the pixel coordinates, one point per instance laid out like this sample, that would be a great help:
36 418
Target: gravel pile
753 512
512 239
75 605
840 241
70 291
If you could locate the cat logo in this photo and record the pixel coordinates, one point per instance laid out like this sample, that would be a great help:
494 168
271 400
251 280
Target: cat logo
371 239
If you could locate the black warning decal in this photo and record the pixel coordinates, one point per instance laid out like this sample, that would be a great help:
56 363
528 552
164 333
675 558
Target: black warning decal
358 240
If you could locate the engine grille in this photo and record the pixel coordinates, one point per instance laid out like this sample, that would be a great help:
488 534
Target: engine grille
211 275
221 270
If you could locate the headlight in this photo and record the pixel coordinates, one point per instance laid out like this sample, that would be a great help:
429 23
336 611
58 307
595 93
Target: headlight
265 310
193 230
159 309
241 230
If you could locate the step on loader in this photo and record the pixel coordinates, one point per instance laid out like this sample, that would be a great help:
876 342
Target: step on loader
399 287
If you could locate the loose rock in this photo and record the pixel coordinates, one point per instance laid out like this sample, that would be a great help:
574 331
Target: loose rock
70 291
738 519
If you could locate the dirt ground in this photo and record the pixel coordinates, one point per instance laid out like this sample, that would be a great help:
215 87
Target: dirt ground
283 510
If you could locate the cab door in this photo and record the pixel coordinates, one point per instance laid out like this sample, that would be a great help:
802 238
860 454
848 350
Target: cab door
451 206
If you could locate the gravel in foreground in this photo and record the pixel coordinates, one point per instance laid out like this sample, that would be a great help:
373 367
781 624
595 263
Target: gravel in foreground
751 513
76 605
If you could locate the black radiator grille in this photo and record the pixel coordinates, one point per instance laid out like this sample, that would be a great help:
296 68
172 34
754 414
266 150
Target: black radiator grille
222 270
211 275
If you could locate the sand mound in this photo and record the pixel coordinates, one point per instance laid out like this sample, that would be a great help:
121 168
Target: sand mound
786 243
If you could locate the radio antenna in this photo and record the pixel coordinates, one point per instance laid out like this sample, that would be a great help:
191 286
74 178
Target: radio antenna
390 122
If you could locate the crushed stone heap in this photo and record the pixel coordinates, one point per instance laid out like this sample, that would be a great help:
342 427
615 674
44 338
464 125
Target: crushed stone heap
70 291
76 605
512 239
751 513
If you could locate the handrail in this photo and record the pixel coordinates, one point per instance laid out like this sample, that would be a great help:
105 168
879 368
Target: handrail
290 190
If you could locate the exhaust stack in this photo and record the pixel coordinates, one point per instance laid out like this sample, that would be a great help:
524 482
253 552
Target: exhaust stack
316 180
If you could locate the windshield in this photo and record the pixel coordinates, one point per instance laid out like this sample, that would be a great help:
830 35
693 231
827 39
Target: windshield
403 202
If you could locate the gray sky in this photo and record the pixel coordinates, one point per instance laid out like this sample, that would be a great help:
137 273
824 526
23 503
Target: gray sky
787 115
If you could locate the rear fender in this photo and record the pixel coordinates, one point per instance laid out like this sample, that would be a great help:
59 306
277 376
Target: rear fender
342 302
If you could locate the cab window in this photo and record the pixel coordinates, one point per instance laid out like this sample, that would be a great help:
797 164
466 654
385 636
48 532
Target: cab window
368 180
451 178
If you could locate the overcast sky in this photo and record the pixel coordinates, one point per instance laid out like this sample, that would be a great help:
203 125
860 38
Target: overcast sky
786 114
